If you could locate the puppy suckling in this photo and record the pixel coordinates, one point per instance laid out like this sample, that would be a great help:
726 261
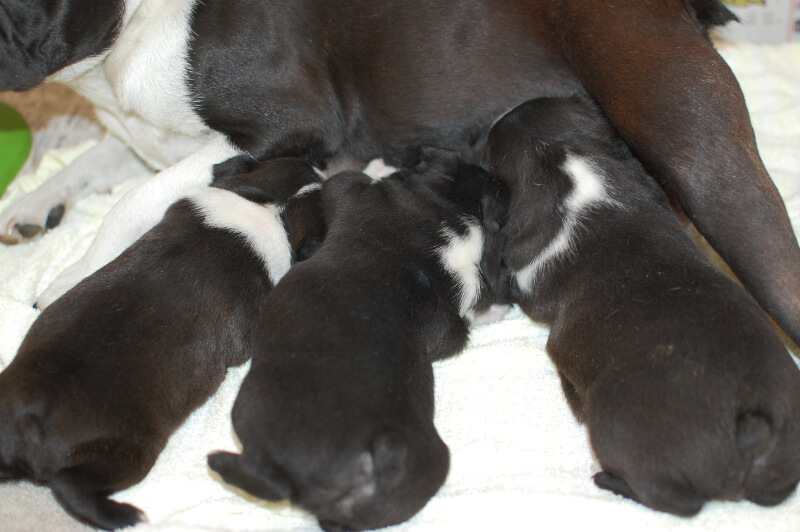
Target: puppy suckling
687 391
336 413
110 370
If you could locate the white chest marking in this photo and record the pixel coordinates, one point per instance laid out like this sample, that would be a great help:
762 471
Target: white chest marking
588 188
140 87
260 225
461 257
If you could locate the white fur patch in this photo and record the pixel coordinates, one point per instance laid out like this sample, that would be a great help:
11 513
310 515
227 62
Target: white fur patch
139 87
260 225
588 189
461 257
377 169
311 187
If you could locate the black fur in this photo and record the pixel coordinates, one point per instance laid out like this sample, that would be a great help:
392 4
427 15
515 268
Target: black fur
688 393
39 38
109 371
336 413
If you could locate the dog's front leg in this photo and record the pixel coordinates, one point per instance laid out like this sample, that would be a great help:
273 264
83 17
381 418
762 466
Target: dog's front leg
139 210
102 167
680 109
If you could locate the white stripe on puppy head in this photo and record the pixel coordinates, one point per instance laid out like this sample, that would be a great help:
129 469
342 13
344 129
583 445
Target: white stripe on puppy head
588 188
461 257
260 225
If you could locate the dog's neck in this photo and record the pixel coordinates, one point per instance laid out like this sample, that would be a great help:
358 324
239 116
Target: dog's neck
144 61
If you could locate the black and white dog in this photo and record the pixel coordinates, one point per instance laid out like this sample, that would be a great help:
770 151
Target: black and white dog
188 84
594 248
109 371
336 412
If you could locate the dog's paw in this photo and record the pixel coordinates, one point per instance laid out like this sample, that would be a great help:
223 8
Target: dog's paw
257 476
29 217
93 507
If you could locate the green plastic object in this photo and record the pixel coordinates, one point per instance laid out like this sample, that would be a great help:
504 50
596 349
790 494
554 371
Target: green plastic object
15 144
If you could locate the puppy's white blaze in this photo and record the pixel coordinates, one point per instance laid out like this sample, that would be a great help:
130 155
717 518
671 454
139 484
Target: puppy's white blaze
588 188
260 225
587 182
461 257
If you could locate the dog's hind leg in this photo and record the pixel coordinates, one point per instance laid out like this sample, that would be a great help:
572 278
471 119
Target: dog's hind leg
256 475
91 506
680 109
139 210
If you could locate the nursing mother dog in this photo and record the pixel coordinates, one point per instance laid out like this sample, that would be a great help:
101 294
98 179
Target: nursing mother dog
188 84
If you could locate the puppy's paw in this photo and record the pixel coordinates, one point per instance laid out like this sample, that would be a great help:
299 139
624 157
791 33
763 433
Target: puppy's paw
677 499
257 476
330 526
93 507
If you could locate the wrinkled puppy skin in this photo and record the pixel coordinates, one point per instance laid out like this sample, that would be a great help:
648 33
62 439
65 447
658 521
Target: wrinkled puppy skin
336 413
110 370
688 393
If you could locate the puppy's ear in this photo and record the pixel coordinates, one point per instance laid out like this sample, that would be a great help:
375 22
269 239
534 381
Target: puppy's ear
272 181
494 204
241 164
439 161
261 477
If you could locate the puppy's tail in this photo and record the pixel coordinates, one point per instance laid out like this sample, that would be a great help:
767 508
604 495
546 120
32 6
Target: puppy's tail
258 476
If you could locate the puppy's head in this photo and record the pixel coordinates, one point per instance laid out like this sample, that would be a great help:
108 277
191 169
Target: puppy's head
38 38
479 196
535 132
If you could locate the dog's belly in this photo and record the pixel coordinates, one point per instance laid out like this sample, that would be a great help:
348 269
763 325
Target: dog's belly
356 79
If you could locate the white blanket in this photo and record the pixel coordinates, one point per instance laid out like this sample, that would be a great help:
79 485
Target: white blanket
519 460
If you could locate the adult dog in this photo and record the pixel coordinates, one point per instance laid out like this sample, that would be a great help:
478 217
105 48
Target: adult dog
189 84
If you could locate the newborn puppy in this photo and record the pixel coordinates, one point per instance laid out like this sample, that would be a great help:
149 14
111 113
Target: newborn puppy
110 370
688 392
336 413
